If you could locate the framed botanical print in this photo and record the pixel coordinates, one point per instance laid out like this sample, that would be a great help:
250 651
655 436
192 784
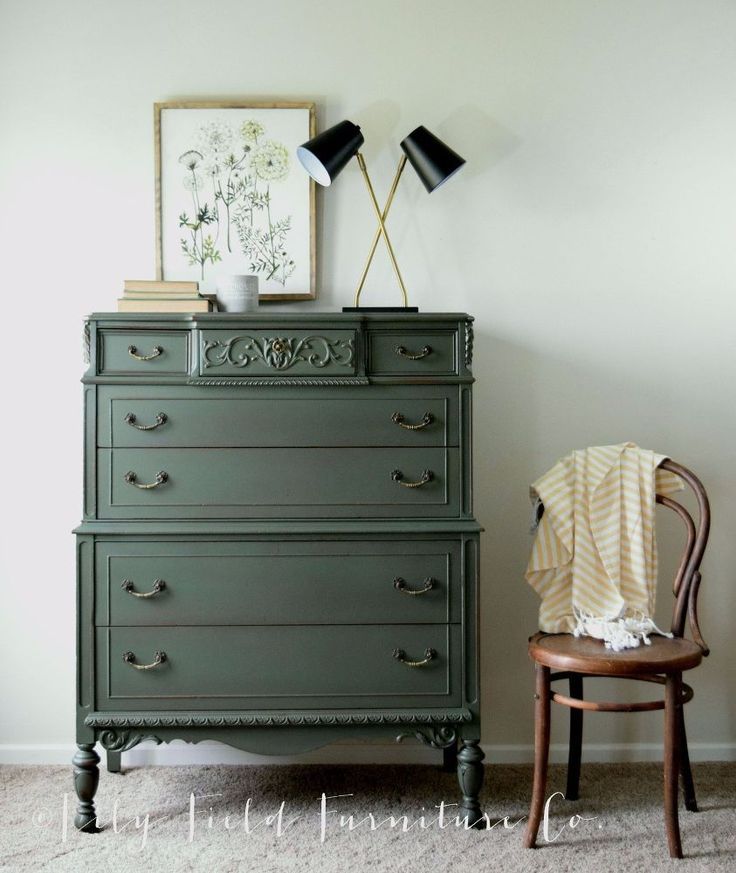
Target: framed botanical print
230 197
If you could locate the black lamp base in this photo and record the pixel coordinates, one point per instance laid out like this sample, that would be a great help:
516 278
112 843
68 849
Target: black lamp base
380 309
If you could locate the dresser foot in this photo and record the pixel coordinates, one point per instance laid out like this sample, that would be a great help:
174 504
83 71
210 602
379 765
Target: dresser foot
470 776
449 758
86 779
113 761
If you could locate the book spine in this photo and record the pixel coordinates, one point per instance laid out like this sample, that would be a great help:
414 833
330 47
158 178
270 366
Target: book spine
138 296
163 305
146 286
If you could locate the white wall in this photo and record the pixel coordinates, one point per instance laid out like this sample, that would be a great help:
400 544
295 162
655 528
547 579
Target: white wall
591 234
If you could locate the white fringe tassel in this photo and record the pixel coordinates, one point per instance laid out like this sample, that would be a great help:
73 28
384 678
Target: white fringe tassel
623 632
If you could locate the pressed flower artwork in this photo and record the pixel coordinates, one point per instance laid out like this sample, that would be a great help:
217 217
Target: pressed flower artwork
230 199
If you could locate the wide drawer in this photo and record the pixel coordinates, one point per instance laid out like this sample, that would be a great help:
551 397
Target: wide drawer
399 417
225 583
143 353
279 666
281 352
286 483
412 353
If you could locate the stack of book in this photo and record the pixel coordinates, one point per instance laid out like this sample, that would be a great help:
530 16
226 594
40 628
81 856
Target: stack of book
142 295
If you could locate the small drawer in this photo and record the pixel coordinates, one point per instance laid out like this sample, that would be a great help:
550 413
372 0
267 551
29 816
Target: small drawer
221 583
288 666
397 353
143 353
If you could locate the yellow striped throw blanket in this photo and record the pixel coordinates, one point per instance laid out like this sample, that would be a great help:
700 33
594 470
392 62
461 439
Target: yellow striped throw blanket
594 559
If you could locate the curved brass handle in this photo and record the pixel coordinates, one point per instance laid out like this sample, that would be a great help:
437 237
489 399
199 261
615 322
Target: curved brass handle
398 476
161 477
161 418
399 419
158 658
429 654
133 352
400 585
402 352
158 586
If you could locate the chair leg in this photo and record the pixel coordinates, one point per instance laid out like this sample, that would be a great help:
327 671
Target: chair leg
541 753
686 773
673 705
576 740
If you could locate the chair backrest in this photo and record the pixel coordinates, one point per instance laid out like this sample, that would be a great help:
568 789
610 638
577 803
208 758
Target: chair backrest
687 578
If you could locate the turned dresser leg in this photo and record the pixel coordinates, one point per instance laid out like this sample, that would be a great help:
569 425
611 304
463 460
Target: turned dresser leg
86 778
470 776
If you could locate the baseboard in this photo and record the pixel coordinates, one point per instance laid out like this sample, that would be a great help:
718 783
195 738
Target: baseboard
179 753
609 753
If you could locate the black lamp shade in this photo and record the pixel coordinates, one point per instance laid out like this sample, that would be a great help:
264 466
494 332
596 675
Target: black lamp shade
325 156
433 161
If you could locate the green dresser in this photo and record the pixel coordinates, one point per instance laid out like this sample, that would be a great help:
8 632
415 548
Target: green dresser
278 547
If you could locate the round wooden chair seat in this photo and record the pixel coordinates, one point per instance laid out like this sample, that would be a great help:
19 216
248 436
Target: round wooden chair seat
588 655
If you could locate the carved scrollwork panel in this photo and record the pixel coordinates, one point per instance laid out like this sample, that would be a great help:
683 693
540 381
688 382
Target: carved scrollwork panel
279 352
121 741
437 737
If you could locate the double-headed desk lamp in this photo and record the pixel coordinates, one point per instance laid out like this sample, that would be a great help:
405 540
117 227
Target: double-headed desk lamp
326 155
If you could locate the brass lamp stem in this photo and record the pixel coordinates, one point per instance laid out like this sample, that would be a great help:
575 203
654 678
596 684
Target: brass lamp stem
377 235
382 226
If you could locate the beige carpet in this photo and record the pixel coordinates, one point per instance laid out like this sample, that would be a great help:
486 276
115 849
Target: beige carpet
626 833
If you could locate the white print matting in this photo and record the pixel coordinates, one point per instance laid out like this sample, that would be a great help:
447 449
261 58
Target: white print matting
232 198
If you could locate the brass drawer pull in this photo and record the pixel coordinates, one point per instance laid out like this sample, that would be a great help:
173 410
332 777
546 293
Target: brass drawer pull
133 352
429 654
398 476
399 419
400 585
158 586
158 658
161 418
161 477
403 353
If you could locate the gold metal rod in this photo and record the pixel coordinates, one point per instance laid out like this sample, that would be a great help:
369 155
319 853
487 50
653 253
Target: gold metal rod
377 235
377 210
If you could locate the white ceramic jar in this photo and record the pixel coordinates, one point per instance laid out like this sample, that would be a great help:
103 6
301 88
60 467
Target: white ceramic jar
237 293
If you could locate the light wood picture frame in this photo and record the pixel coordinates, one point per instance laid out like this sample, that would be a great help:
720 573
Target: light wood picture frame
231 198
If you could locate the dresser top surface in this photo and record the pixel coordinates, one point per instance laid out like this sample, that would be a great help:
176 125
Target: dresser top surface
264 316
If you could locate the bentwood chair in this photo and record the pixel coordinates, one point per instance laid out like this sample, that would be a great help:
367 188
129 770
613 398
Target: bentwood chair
663 662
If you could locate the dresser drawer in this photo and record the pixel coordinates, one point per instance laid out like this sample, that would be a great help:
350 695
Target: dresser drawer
427 353
403 417
290 483
277 352
278 666
225 583
143 353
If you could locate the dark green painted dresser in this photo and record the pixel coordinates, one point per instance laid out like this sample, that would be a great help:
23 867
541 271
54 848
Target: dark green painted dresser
278 547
